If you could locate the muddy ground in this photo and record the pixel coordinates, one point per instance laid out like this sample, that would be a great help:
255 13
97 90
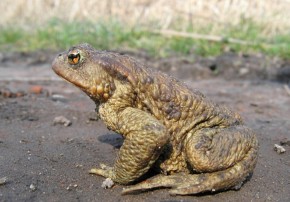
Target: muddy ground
43 161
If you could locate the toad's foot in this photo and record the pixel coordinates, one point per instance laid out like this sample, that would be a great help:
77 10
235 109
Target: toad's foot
175 182
104 171
187 184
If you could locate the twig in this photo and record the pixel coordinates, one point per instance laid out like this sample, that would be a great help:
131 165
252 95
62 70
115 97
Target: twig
213 38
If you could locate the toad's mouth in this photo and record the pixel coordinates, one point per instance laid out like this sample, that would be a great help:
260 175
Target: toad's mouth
68 74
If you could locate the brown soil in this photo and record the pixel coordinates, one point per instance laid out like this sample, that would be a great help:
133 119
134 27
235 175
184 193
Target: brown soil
43 161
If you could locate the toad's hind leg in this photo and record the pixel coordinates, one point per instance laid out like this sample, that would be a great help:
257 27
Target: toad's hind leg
223 157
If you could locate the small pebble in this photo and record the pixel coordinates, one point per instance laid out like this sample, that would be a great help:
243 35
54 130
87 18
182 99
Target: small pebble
36 89
3 180
19 94
6 93
32 187
69 188
243 71
9 94
279 149
61 120
108 183
57 97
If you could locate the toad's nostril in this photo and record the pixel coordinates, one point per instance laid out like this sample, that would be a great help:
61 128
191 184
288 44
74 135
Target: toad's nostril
59 55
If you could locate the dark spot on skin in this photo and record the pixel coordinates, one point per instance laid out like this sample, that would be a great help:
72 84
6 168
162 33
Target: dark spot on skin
167 110
201 178
203 142
114 68
172 111
222 153
112 86
165 93
149 80
176 115
226 153
221 175
153 127
189 103
198 145
196 92
165 97
121 77
231 142
184 97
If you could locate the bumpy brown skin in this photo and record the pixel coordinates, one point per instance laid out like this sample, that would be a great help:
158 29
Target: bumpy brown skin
196 145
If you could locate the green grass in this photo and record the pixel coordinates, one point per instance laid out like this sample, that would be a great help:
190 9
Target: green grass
56 35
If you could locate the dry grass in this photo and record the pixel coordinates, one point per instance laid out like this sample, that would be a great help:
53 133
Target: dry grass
273 15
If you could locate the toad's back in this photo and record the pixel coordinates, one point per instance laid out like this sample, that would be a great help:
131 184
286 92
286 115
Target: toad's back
178 107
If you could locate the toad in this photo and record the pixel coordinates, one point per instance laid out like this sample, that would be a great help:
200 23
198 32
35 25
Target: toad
195 145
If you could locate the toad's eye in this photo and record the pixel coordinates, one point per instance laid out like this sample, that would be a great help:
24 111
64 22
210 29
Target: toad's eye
74 57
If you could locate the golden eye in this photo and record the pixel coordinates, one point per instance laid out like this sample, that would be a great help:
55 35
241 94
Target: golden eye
74 57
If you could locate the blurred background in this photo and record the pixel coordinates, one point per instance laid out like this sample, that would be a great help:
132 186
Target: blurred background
160 27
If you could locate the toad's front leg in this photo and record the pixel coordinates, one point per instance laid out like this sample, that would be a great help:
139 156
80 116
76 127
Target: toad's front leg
144 137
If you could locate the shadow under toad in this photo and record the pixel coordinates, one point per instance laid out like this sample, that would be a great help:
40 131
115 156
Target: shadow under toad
113 139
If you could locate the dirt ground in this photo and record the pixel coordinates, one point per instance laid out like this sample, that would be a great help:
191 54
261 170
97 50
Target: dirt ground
43 161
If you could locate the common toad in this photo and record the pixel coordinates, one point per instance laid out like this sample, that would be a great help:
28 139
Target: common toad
195 145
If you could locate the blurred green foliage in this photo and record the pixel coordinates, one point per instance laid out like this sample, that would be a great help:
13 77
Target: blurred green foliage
56 35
